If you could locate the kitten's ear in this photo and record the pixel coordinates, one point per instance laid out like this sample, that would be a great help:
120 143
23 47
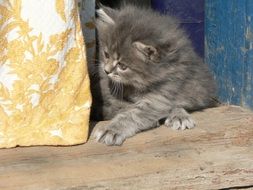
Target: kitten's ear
106 15
146 51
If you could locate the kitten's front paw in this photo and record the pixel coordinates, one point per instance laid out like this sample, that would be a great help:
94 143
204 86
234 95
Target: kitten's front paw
179 119
109 135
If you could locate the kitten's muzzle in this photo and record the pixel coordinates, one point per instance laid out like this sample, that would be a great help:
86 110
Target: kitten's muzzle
107 72
108 68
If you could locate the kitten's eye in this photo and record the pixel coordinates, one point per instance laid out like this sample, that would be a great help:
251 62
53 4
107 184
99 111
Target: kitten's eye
106 55
122 66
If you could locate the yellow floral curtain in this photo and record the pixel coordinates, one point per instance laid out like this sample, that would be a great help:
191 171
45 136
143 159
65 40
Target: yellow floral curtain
44 85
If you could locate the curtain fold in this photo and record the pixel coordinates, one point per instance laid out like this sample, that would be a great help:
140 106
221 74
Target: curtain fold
44 85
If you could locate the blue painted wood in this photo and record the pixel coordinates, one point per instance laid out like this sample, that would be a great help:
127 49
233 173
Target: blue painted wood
248 78
191 14
229 48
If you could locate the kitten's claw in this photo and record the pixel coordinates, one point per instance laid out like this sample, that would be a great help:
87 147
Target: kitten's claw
180 123
179 119
109 136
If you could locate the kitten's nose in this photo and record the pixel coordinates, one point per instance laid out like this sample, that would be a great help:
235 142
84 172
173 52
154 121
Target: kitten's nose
107 72
108 69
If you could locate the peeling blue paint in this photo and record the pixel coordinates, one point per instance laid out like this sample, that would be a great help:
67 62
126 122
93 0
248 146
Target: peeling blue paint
229 48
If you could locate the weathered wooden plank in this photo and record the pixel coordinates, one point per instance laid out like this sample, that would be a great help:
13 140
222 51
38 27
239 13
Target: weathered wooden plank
216 154
228 48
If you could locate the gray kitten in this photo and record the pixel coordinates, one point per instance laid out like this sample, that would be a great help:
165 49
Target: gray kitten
148 71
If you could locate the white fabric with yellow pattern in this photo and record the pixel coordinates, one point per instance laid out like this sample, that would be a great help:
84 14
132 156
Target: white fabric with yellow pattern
44 85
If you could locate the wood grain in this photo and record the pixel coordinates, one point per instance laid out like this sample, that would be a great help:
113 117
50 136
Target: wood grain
218 153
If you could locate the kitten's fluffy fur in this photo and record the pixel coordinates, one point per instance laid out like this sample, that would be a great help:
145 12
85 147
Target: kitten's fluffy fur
149 71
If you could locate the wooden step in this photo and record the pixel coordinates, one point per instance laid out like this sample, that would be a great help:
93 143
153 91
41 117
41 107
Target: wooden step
218 153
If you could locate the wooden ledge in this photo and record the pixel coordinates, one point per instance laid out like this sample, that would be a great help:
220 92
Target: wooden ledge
218 153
